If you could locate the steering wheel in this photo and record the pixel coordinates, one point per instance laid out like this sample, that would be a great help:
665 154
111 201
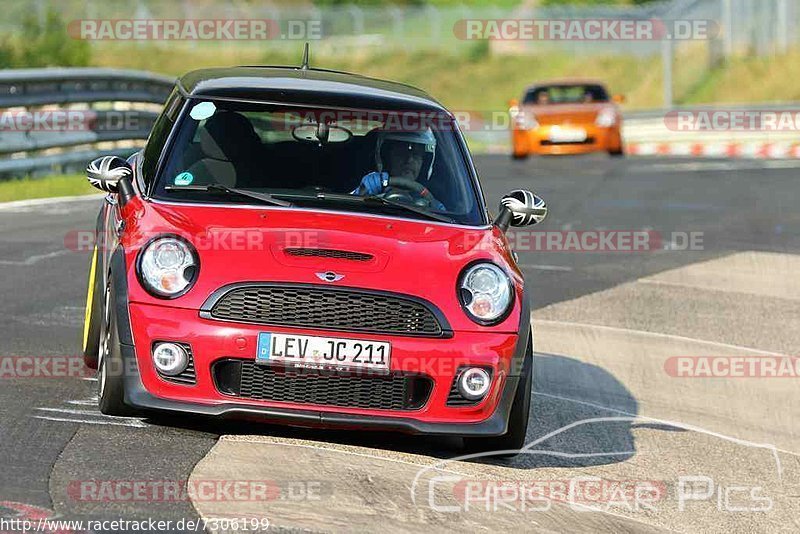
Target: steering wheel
410 191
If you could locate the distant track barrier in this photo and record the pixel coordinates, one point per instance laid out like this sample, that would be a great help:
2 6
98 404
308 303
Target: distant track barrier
57 119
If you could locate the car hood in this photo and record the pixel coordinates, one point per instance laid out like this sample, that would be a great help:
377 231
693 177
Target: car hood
567 113
290 245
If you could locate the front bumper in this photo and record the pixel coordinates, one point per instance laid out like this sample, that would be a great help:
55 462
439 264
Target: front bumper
537 141
437 358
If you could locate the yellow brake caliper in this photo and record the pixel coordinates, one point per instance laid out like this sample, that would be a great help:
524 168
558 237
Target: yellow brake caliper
89 297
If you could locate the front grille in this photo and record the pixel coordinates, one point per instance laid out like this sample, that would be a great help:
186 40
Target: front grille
328 253
246 379
587 141
327 308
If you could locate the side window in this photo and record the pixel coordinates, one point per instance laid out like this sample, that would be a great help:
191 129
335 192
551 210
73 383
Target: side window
158 136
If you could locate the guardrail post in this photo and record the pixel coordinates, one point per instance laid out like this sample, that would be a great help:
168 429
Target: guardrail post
667 53
727 27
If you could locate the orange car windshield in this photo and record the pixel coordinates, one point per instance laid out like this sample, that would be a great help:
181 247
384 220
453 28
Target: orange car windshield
566 94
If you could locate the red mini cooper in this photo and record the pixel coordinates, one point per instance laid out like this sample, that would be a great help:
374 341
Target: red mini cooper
312 248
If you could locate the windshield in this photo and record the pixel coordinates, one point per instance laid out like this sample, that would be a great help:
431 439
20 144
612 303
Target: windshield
405 164
566 94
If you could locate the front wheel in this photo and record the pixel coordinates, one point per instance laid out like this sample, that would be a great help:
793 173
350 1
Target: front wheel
514 439
110 369
519 157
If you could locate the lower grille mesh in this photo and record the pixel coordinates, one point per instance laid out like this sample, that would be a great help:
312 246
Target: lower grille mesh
249 380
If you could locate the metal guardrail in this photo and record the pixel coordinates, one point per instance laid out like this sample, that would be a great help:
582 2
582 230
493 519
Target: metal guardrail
32 152
38 87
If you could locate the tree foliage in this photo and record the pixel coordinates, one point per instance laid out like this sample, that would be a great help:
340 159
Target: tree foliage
43 42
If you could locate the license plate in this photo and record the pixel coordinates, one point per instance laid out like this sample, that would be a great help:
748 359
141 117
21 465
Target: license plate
322 352
567 135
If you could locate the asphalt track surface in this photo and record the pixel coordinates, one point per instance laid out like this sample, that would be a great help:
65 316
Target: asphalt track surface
603 407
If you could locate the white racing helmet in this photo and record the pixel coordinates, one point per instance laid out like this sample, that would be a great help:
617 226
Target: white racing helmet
423 137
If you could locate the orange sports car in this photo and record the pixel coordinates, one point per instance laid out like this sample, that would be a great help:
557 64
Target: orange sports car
566 117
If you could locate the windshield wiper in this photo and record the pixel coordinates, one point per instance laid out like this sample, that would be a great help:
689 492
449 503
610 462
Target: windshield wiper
263 197
407 207
371 199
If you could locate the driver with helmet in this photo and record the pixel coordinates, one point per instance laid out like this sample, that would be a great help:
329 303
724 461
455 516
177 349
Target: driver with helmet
402 159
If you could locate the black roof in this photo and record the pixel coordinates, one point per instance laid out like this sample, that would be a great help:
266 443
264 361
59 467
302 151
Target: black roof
310 86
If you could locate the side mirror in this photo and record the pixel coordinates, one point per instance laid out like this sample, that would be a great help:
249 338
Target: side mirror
619 99
520 208
112 174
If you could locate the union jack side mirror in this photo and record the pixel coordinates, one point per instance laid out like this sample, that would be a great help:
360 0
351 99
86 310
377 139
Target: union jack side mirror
521 208
112 175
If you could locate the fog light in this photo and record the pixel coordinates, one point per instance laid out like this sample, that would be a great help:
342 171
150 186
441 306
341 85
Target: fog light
170 359
474 383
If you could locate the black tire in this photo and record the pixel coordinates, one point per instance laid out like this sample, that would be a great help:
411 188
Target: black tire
617 153
519 157
94 312
111 369
514 438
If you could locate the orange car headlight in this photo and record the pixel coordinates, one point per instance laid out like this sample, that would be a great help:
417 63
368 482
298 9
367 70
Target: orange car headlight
524 120
606 118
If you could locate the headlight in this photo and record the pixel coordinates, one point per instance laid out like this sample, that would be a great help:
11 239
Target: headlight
485 292
606 118
524 120
168 267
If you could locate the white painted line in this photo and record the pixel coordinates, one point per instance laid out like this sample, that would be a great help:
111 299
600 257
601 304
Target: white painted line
547 267
91 413
90 378
710 166
86 402
782 164
132 424
32 260
47 201
88 413
656 334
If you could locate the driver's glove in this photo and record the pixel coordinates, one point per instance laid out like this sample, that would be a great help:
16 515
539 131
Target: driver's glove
372 184
438 206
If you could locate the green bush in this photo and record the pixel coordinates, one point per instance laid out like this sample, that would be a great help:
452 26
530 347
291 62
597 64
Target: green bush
479 50
594 2
43 43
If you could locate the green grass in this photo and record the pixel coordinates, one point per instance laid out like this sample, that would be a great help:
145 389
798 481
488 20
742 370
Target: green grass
466 77
45 187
